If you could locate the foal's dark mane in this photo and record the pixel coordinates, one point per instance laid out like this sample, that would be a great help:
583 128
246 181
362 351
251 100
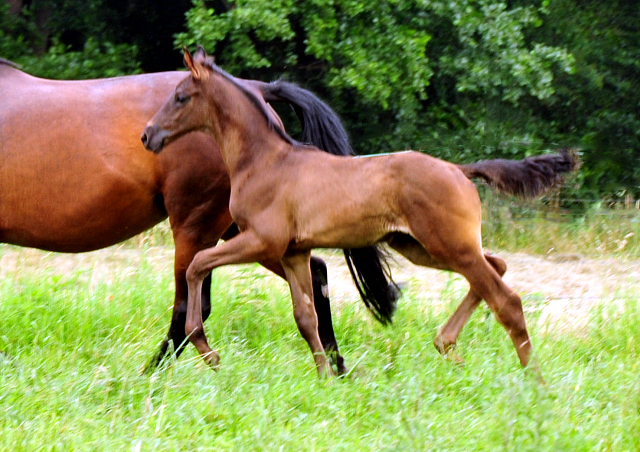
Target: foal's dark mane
256 102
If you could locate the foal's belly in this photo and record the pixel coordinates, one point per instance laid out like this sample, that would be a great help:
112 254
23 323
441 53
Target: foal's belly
355 232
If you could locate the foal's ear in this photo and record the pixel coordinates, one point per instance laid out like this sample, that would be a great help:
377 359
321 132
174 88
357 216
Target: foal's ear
195 64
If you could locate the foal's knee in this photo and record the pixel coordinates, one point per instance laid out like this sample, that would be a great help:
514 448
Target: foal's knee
305 317
497 263
196 271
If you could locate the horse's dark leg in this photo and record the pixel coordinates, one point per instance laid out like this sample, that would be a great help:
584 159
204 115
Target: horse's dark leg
187 245
195 194
322 305
176 339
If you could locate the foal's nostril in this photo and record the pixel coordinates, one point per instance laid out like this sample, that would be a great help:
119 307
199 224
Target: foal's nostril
145 139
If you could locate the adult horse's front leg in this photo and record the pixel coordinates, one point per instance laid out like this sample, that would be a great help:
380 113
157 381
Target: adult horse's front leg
297 270
190 236
320 281
176 338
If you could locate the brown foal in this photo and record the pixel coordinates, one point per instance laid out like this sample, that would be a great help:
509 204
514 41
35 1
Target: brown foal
65 189
288 199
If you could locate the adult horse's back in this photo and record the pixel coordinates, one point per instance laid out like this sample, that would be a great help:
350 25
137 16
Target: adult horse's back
65 189
61 190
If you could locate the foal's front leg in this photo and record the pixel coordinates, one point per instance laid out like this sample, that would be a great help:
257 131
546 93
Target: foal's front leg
244 248
297 270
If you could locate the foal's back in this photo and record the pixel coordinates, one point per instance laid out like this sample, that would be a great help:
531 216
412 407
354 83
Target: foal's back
352 202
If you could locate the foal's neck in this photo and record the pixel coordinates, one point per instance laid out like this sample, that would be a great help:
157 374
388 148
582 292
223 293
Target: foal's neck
244 133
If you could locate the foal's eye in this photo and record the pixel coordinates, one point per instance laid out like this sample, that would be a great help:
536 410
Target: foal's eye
182 98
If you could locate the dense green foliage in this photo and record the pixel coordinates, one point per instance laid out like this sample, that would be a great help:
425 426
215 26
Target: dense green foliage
70 46
75 342
463 80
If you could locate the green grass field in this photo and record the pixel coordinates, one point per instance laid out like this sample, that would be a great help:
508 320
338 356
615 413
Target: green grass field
75 339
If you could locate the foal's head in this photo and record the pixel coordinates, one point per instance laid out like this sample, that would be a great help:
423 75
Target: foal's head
209 99
187 109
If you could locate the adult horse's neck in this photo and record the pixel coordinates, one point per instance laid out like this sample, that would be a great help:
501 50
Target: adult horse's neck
242 126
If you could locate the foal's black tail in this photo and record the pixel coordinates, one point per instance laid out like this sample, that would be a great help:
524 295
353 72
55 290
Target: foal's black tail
322 128
526 178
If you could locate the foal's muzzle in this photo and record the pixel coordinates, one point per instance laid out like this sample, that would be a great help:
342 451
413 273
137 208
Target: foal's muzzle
153 138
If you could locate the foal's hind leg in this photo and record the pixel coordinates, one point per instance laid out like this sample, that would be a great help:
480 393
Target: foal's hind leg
485 281
504 302
296 267
445 340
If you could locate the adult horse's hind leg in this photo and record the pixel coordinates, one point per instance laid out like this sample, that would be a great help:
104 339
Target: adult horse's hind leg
445 340
297 269
319 278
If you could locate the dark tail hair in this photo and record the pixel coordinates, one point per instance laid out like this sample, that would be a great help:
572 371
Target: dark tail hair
322 128
526 178
372 276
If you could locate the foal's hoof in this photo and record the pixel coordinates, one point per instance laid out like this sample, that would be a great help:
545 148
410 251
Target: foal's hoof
325 372
533 369
213 360
448 351
453 356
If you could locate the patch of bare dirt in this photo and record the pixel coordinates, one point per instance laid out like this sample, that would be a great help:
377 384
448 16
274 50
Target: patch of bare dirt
562 288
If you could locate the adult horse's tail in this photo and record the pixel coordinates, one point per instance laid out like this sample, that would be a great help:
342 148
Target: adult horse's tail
526 178
322 128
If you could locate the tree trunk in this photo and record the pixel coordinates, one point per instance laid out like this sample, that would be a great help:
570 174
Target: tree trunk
42 19
15 6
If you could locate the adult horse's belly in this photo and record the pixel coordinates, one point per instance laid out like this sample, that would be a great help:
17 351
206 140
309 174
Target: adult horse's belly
73 174
73 206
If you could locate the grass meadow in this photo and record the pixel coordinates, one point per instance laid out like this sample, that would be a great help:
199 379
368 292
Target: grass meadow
75 337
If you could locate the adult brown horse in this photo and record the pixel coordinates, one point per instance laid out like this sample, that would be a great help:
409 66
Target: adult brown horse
289 198
74 177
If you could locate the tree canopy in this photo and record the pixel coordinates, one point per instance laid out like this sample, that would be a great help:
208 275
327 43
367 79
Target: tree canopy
462 80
